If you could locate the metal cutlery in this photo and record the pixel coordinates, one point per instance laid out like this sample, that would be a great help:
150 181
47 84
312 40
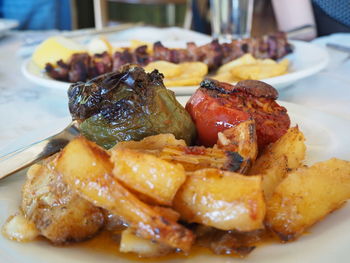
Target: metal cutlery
26 156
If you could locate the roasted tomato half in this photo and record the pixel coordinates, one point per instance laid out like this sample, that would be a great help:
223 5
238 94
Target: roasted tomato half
217 106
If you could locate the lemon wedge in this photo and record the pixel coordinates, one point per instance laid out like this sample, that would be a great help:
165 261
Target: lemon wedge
99 45
54 49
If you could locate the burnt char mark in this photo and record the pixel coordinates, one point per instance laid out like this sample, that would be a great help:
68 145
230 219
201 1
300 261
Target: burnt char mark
285 238
164 220
257 89
282 236
234 162
252 87
211 84
244 251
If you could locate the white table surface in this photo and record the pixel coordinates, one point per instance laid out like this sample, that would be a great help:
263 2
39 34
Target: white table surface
29 112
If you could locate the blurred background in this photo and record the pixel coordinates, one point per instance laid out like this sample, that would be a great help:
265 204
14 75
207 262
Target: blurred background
326 16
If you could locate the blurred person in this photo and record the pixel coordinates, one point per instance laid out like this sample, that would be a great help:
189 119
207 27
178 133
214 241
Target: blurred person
38 14
327 16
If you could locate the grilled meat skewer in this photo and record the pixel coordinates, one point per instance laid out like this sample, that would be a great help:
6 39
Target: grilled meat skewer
82 67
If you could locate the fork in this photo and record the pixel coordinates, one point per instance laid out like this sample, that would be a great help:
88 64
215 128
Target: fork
26 156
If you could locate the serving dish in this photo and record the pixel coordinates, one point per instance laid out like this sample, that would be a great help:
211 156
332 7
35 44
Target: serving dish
306 60
326 137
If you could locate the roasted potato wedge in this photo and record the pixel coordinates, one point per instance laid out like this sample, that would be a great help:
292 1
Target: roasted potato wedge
20 229
148 174
87 169
193 158
150 144
306 196
57 211
224 200
273 175
130 243
241 139
167 213
292 145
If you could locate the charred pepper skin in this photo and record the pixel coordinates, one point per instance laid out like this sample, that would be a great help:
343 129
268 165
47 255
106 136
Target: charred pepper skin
129 104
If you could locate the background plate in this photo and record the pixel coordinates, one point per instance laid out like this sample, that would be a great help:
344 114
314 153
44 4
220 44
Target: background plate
306 60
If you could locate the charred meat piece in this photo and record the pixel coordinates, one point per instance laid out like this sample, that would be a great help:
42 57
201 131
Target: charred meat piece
59 213
211 54
121 58
79 67
60 72
128 105
100 64
141 57
169 54
217 106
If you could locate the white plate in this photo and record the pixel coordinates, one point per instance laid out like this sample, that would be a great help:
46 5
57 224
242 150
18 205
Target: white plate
328 241
306 60
6 25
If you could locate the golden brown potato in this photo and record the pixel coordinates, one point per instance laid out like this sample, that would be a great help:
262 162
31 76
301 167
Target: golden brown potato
148 174
273 175
167 212
306 196
193 158
130 243
291 145
224 200
86 168
241 139
20 229
57 211
151 144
